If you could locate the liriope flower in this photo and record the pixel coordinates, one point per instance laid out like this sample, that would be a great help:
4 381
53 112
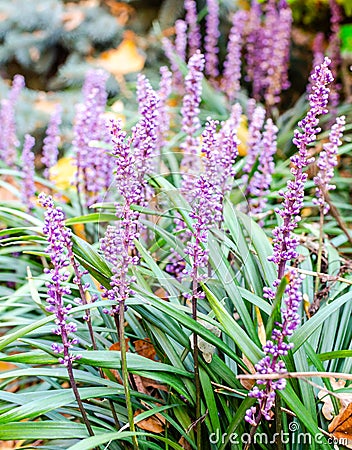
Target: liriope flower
51 141
285 242
211 39
190 165
194 35
9 142
326 162
28 171
274 349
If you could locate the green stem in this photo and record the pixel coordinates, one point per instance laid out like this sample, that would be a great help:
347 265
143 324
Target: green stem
198 427
124 370
320 250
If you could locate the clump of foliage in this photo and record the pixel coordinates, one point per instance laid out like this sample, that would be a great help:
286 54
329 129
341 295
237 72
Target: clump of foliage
187 281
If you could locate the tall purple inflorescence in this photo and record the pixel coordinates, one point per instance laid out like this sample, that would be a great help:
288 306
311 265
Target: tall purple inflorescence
165 88
9 142
334 50
211 39
194 35
274 349
181 39
119 240
170 53
94 164
276 72
230 83
59 243
254 139
145 135
28 171
326 162
190 165
259 184
52 141
285 243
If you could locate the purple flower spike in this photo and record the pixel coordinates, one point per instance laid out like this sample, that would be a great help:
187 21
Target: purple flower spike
334 50
94 164
165 88
285 243
277 58
194 35
170 53
145 134
259 185
28 170
211 39
118 242
52 141
190 164
254 139
181 39
274 349
59 246
318 54
9 142
326 162
230 82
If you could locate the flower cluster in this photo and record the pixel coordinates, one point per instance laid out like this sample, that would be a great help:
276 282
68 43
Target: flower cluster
51 141
326 162
165 88
254 139
274 349
94 164
9 141
259 184
334 51
59 243
145 135
211 39
230 83
118 242
194 36
267 57
28 170
285 243
190 164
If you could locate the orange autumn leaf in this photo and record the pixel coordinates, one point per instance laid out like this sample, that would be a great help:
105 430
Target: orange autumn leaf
154 424
341 426
145 348
126 58
116 345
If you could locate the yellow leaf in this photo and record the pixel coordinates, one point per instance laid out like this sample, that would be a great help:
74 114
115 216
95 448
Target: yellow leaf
63 173
261 328
242 134
126 58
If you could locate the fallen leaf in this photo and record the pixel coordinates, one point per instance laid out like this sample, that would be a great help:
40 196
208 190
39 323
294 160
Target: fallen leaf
63 173
126 58
341 426
184 444
155 424
116 345
161 293
205 347
145 348
79 231
242 134
261 327
248 384
344 398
